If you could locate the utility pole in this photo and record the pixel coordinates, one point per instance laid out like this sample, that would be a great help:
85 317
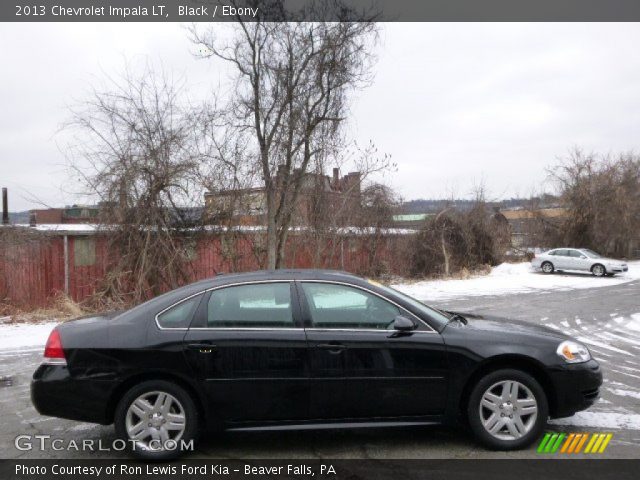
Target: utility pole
5 206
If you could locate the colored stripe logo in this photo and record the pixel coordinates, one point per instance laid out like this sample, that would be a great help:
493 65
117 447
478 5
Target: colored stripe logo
574 443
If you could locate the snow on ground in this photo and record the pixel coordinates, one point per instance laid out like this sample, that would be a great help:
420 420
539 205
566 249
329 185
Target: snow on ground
612 420
20 335
510 278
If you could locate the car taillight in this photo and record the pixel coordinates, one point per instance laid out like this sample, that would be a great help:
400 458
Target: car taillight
53 352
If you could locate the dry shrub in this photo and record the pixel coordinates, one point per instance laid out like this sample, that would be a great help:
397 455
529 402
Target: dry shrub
456 243
601 195
61 308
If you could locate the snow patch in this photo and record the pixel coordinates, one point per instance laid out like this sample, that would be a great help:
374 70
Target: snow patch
512 278
605 420
25 335
624 393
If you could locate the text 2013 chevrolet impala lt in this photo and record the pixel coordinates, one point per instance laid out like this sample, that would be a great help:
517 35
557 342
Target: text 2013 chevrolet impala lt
307 349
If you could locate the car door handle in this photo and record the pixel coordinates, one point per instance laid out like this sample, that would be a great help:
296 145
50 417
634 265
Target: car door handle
332 347
202 347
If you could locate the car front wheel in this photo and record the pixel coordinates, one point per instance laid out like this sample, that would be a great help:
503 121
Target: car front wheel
157 420
598 270
547 267
507 410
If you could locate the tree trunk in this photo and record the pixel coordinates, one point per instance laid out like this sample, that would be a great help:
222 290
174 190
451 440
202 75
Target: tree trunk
445 254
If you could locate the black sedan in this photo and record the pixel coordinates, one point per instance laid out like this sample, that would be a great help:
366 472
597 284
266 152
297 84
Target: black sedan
307 349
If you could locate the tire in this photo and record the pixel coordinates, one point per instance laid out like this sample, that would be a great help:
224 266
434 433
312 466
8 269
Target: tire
171 415
598 270
508 433
547 267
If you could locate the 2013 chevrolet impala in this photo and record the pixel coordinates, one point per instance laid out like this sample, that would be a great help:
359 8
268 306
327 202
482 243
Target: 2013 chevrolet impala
307 349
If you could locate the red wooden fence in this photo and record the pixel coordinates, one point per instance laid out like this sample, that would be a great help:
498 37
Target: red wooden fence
33 272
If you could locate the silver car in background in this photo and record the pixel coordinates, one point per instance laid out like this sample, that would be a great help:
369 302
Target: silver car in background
579 259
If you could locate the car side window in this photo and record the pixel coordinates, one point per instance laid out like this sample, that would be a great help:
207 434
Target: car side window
575 254
345 307
257 305
179 316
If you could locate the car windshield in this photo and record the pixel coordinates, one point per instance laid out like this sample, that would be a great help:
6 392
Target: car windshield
434 314
590 253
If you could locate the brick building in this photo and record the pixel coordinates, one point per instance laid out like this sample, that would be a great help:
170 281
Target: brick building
319 194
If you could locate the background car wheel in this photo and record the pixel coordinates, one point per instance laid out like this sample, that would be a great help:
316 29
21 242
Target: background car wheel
547 267
507 410
598 270
155 418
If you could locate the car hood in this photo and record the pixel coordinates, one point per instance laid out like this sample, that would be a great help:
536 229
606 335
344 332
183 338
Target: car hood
506 326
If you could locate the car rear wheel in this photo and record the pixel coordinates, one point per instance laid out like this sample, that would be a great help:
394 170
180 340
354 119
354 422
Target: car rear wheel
157 419
547 267
598 270
507 410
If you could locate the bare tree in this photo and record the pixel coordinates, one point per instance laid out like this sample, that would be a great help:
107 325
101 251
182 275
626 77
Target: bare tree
455 240
135 149
602 197
293 81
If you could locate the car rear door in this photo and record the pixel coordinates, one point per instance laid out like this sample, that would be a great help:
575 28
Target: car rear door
248 349
362 369
561 259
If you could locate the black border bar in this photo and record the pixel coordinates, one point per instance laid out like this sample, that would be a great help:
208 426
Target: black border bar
508 469
329 10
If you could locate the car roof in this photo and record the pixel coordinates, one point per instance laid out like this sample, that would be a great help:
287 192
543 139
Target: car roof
286 274
279 274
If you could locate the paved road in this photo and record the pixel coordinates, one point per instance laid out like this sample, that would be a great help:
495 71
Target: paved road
603 317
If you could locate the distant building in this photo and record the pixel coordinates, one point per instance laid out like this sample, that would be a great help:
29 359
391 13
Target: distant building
319 194
411 220
523 222
70 214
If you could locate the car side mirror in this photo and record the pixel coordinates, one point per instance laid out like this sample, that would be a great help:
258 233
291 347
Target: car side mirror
403 324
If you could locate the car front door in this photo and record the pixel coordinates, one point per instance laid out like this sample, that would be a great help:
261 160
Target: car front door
361 367
579 260
248 348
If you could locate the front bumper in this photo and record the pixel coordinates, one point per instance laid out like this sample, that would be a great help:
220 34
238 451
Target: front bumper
618 268
577 387
55 393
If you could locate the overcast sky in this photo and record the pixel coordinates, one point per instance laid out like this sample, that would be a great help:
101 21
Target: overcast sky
454 104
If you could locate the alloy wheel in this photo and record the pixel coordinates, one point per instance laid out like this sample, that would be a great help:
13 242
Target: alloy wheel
508 410
547 268
155 420
598 270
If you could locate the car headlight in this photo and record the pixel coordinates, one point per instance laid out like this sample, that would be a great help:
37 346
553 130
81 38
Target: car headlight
573 352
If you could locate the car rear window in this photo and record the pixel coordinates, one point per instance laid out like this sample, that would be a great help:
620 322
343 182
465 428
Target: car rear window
179 316
258 305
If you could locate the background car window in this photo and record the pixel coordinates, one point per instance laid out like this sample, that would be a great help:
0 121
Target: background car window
179 316
562 253
341 306
251 306
553 252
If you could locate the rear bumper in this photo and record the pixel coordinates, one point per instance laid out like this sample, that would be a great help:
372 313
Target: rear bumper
54 393
577 387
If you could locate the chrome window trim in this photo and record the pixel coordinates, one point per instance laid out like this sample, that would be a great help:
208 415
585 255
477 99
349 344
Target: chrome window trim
302 328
